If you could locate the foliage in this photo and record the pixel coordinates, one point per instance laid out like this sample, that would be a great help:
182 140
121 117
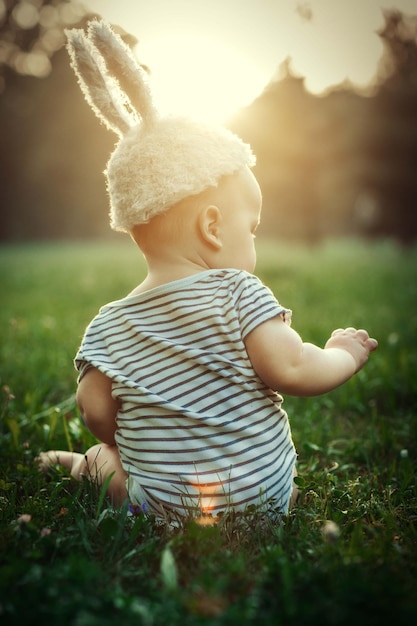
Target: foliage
31 32
346 553
341 163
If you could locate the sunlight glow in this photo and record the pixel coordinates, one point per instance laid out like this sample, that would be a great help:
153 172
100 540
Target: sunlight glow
211 57
198 76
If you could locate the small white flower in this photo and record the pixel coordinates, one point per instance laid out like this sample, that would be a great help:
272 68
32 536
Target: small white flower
330 531
393 339
404 453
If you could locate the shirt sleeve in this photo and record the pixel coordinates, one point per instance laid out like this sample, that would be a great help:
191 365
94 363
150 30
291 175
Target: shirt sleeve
257 304
82 366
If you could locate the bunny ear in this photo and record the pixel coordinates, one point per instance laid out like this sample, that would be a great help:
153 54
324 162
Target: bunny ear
122 64
145 173
102 95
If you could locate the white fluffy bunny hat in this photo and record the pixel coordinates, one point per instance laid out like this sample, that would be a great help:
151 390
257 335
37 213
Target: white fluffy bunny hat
158 161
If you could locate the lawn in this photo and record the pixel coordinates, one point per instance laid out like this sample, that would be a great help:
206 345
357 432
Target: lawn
346 554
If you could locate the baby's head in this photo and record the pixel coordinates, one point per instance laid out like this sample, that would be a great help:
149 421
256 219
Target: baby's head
161 165
156 166
215 228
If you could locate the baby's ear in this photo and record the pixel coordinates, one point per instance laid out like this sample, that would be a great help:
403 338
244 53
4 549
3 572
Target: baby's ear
209 222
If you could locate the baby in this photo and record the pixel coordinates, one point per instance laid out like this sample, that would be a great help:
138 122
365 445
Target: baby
180 381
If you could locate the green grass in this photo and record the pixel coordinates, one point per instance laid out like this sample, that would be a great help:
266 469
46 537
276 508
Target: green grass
79 562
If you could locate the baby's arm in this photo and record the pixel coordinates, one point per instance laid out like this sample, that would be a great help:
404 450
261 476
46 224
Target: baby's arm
288 365
97 406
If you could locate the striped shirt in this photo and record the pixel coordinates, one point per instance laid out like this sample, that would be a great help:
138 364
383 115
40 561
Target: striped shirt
198 431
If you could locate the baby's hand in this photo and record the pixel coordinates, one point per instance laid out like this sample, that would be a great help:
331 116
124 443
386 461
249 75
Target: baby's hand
357 342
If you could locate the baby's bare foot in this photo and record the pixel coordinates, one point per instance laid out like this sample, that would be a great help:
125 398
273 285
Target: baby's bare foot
46 460
54 458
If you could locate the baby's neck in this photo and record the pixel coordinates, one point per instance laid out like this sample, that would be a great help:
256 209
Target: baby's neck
161 273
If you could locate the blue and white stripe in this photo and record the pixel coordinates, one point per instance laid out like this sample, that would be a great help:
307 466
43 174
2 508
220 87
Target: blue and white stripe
197 429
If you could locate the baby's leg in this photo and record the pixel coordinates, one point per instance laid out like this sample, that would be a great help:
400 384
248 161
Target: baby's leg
97 464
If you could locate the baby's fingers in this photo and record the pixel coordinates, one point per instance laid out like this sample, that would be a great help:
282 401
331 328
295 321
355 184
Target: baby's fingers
351 332
372 344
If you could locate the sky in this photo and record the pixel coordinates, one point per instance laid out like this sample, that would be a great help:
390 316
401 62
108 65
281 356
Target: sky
211 57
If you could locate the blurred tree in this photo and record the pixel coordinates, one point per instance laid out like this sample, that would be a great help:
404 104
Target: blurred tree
53 150
280 125
307 156
52 155
398 66
392 133
343 163
34 157
31 31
